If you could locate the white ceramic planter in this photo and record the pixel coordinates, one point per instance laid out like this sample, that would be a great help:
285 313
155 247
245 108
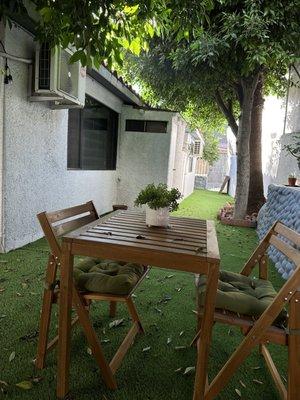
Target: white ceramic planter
159 217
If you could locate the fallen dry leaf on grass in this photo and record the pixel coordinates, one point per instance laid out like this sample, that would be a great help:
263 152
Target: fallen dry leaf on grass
25 385
116 322
242 384
189 371
89 351
12 356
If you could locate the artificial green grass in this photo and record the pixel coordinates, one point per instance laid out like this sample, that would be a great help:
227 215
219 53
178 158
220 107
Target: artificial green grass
165 302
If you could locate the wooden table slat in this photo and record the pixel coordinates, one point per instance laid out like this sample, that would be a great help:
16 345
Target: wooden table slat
138 214
172 237
188 222
127 242
133 238
174 228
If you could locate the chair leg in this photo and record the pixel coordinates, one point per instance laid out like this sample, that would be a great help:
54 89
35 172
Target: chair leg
294 348
46 313
112 309
274 372
93 340
133 312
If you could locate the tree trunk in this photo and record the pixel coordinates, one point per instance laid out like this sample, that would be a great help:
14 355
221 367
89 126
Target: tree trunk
243 149
256 196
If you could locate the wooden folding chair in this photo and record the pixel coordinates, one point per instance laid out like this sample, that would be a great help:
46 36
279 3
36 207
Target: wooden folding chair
262 330
54 225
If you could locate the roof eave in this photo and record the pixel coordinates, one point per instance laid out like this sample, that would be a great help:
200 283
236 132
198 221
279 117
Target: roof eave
114 85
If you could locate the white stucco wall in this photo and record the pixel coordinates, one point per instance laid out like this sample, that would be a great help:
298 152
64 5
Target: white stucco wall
2 32
179 168
35 155
143 158
175 132
182 178
277 162
189 183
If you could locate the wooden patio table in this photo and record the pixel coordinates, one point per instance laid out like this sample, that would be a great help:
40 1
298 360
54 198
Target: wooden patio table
186 245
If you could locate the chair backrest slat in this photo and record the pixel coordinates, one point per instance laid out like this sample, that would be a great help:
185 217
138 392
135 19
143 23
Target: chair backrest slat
70 212
286 249
73 224
276 236
54 224
287 233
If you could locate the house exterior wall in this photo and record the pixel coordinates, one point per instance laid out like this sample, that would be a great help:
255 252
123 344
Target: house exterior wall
189 181
143 158
33 153
183 179
35 171
2 36
179 159
277 163
175 132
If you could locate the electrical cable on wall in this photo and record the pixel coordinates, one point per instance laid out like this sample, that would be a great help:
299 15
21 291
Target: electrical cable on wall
7 74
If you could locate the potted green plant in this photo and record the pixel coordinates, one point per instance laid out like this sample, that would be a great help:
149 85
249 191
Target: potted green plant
292 179
159 201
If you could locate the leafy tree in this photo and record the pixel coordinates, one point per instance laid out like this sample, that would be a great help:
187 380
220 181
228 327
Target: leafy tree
239 47
97 30
294 147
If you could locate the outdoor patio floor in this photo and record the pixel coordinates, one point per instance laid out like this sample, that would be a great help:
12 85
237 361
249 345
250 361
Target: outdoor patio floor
151 374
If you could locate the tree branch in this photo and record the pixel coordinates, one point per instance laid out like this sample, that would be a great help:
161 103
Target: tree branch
239 92
227 111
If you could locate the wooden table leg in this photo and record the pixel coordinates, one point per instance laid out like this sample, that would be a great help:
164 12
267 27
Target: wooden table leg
64 328
205 333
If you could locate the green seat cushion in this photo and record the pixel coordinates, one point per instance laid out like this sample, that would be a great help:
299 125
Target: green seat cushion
241 294
106 276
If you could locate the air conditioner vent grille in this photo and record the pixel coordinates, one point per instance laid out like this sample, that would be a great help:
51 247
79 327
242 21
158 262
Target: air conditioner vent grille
44 66
197 147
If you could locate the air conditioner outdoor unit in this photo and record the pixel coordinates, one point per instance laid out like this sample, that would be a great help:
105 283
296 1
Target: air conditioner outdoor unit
197 148
56 80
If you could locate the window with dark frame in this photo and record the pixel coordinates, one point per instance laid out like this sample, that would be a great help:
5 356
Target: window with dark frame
137 125
92 137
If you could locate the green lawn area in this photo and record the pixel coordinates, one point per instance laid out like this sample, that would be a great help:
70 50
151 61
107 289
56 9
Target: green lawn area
153 374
